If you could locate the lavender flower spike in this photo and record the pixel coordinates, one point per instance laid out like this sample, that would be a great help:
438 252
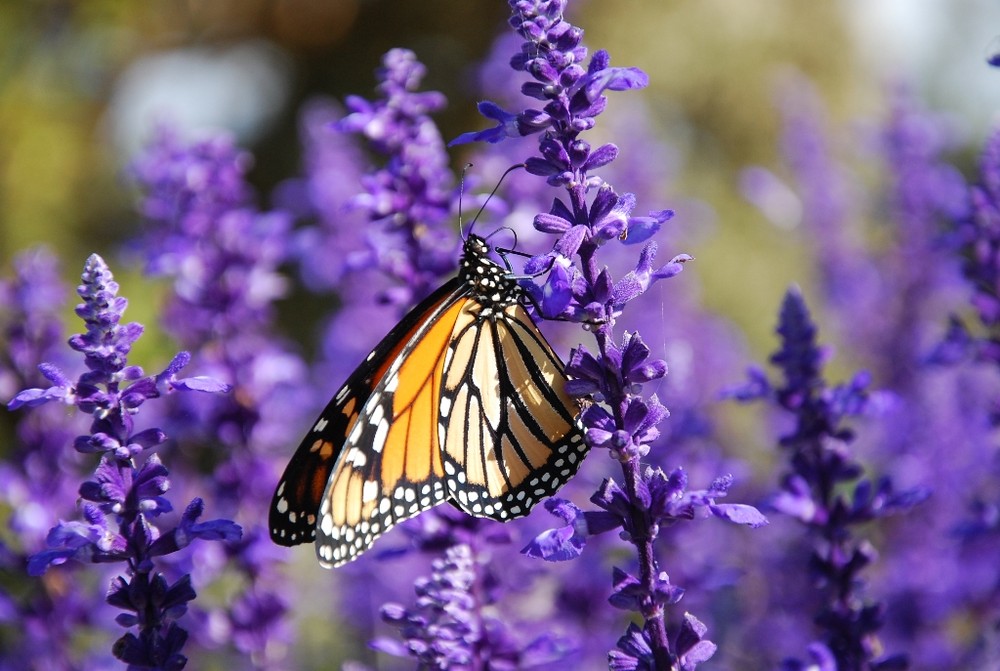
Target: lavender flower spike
587 216
122 500
826 491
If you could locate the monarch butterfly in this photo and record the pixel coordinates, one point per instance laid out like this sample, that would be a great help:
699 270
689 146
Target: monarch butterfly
462 401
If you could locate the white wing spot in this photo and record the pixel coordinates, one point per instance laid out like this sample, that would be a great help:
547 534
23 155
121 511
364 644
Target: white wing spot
378 442
392 383
377 414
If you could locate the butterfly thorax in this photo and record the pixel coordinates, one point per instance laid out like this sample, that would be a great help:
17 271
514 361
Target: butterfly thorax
489 283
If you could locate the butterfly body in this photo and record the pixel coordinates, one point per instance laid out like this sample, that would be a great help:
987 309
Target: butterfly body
462 401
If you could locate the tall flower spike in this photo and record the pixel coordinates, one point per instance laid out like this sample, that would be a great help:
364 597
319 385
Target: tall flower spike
37 473
122 500
223 257
813 490
587 216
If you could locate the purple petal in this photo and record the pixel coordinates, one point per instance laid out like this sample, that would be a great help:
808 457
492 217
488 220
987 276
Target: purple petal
551 223
201 383
557 291
507 126
54 375
641 229
600 157
570 242
35 397
739 513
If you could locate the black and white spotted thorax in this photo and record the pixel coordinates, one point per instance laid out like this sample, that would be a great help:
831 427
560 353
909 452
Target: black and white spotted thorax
492 285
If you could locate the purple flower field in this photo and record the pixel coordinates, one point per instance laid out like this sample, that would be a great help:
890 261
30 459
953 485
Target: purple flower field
786 355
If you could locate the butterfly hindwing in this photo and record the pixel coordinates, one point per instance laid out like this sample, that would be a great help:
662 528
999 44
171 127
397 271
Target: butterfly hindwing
508 428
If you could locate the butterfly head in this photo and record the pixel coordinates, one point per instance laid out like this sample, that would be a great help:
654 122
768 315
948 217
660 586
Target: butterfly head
488 282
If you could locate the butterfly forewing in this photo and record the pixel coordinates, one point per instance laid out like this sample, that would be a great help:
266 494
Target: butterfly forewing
391 467
297 499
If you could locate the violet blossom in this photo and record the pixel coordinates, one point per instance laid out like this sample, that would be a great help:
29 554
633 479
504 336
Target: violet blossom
123 498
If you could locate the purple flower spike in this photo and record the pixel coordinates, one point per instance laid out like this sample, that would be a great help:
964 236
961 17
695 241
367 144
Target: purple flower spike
813 491
409 200
120 494
565 95
448 628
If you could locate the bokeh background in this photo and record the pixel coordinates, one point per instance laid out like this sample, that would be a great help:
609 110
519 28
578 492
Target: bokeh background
84 84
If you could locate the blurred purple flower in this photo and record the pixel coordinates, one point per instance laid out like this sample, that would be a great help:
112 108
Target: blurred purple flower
223 256
825 489
408 200
449 627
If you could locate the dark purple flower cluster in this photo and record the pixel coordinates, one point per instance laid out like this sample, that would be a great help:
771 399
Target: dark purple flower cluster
826 490
123 499
617 416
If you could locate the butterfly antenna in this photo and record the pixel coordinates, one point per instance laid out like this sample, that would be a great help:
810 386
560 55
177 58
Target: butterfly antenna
493 192
461 193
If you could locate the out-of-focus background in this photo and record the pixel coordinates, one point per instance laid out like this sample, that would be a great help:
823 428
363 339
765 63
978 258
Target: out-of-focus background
83 85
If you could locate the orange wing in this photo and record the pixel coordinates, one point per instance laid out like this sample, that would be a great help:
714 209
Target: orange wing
300 491
391 467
